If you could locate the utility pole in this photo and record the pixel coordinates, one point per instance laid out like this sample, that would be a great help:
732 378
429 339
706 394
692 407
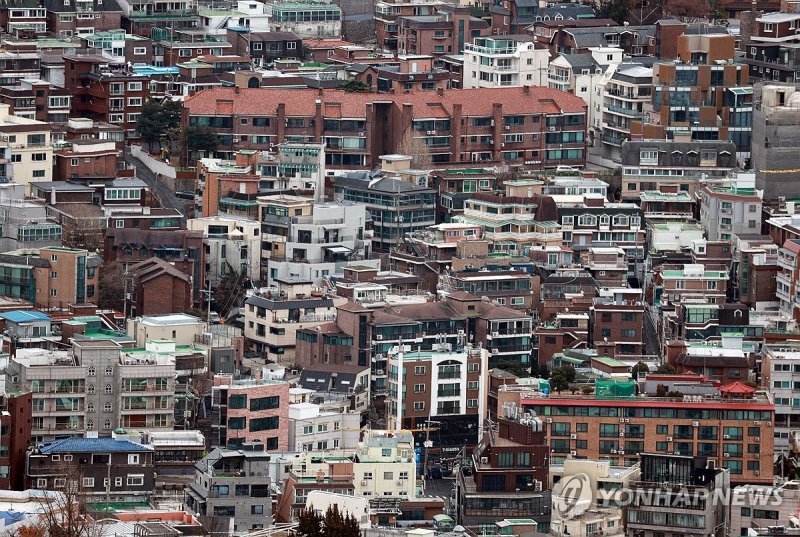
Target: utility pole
207 292
125 294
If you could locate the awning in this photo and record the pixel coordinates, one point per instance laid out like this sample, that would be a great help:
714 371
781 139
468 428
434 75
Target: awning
338 249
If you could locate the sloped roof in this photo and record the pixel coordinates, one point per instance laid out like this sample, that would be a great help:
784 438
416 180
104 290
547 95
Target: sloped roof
92 445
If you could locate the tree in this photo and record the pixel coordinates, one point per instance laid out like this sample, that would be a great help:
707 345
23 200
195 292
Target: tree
227 290
156 118
111 294
514 367
201 138
587 390
640 367
82 226
354 86
666 368
416 148
687 10
309 524
751 383
562 377
337 525
619 10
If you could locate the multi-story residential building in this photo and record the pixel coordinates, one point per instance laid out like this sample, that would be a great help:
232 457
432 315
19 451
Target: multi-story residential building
272 321
24 18
512 16
780 364
777 153
786 279
264 47
303 241
755 271
233 244
664 479
108 469
491 62
628 89
250 14
770 506
313 428
595 222
682 103
104 388
771 52
249 411
307 19
460 126
233 485
513 289
568 39
158 287
395 207
673 284
37 99
104 94
87 159
19 60
15 418
618 322
66 19
735 433
649 165
173 47
667 203
387 14
444 32
382 468
439 385
414 73
26 329
25 147
510 468
513 223
730 209
140 17
119 46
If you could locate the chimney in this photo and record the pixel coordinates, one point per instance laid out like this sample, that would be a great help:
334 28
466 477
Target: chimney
440 91
236 90
526 90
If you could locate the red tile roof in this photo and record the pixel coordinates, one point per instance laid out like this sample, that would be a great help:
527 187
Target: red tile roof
474 102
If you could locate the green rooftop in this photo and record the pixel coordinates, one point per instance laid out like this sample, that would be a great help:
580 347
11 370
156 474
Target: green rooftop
606 360
680 274
466 171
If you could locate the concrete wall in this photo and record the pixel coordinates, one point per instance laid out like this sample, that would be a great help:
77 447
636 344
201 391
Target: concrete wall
152 164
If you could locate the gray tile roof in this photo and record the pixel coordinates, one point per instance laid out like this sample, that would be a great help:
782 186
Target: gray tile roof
275 305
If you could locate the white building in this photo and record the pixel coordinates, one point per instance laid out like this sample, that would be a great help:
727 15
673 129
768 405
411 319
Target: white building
309 20
586 76
233 243
348 505
625 95
780 367
311 428
181 328
250 14
775 506
492 62
26 149
729 207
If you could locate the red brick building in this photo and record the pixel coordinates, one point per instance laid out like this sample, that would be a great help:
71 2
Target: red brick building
67 18
159 287
37 99
104 94
442 33
15 437
456 125
86 158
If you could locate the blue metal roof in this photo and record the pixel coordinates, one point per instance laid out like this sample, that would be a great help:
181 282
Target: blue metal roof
23 316
92 445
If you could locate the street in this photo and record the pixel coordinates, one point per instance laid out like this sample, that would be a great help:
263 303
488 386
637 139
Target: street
165 195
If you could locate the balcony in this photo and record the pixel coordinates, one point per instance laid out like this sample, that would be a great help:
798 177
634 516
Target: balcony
629 112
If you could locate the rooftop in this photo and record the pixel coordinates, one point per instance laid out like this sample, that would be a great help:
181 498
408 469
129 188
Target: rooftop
92 445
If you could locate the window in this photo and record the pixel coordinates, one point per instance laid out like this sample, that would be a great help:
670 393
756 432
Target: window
38 173
419 405
108 407
263 424
53 274
767 26
135 480
107 424
39 157
53 292
134 86
109 371
133 458
139 51
108 389
88 482
419 370
256 509
134 101
419 388
648 157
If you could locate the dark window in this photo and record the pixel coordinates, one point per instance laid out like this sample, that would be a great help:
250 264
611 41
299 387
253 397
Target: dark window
263 424
237 401
265 403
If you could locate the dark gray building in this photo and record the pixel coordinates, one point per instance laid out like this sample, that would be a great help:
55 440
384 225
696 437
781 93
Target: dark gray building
776 140
106 469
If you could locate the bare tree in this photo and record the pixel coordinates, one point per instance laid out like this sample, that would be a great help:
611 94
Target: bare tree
416 148
82 227
111 293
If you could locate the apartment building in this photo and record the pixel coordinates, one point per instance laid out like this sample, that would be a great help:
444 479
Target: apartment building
684 487
110 469
618 322
307 19
23 17
23 329
780 364
140 17
724 104
755 270
770 53
667 203
15 420
395 207
87 158
103 93
649 165
728 210
26 148
233 485
491 62
771 505
735 433
515 289
37 99
66 19
440 385
510 468
387 14
245 14
626 92
249 411
381 468
580 39
19 60
233 244
515 17
513 223
444 32
529 113
272 321
674 284
312 428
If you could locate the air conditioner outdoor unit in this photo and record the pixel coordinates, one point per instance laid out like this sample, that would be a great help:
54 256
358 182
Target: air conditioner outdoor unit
756 423
613 451
573 436
508 127
695 424
430 133
495 334
548 420
484 460
621 452
622 435
363 483
379 337
573 453
726 437
676 452
726 455
757 439
622 420
669 439
401 482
